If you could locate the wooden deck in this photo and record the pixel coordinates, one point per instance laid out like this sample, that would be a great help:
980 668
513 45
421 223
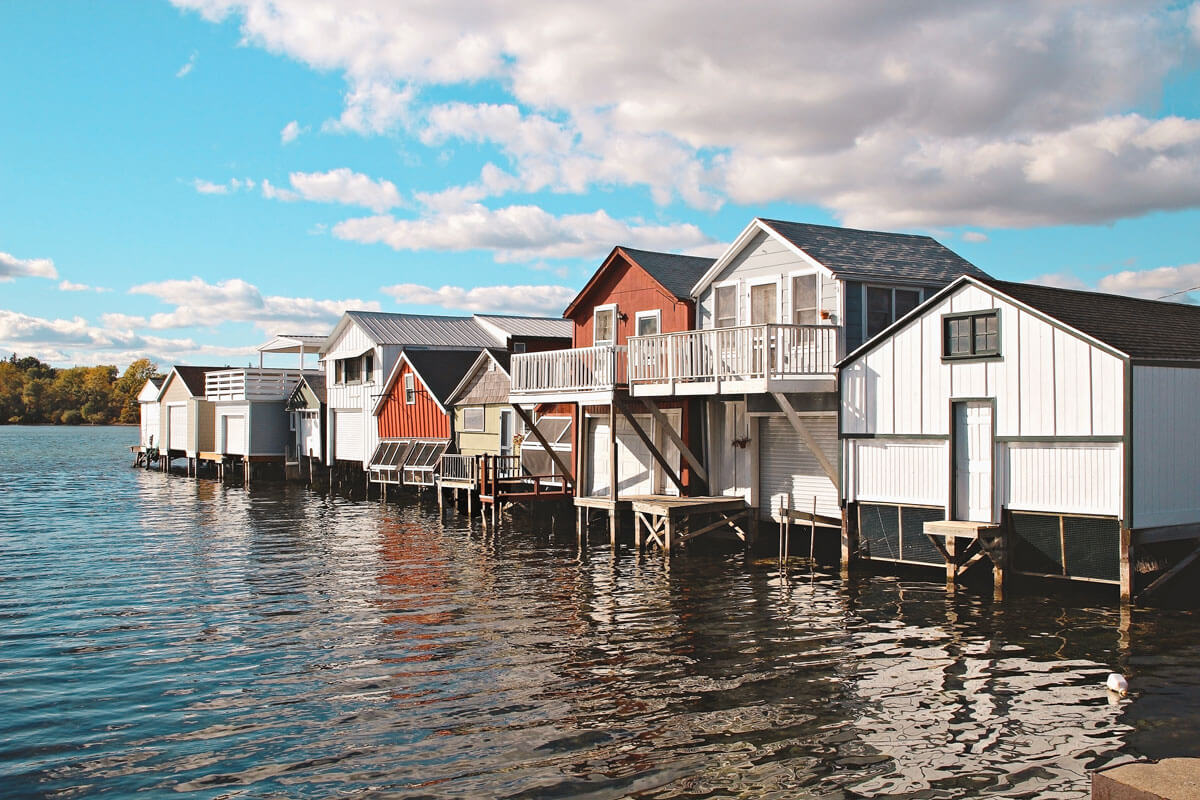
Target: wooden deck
662 519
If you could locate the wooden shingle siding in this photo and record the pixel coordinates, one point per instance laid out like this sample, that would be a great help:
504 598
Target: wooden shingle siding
485 386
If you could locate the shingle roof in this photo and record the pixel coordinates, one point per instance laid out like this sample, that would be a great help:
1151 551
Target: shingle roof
317 384
193 378
1139 328
157 380
677 274
542 327
867 255
441 370
424 330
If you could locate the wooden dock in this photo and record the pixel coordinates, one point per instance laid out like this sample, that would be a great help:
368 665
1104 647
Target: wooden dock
664 520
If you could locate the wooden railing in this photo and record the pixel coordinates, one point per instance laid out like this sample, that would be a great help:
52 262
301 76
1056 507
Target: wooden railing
250 384
579 369
749 352
502 478
459 468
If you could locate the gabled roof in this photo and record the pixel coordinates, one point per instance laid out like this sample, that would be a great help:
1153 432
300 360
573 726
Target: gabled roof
293 343
154 384
1130 326
535 327
439 371
316 383
157 380
674 273
491 354
193 378
853 254
423 330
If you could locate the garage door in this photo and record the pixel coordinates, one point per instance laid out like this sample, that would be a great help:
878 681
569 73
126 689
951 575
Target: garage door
348 435
635 466
787 467
177 427
233 429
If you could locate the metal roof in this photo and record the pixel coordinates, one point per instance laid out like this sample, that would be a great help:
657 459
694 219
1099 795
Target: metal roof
293 343
541 327
851 253
422 330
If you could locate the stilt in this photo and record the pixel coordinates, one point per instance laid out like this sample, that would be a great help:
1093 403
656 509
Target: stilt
669 534
1126 565
951 563
612 526
849 541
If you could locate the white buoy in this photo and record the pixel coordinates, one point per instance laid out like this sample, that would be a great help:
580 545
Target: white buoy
1116 683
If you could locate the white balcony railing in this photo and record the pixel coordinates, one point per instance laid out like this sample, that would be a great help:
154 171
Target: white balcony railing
580 369
251 384
752 352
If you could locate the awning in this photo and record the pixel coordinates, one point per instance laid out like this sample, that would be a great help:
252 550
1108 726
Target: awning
389 455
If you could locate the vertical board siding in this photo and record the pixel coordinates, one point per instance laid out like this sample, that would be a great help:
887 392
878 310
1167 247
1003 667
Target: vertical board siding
1072 478
788 469
150 424
1036 377
898 471
633 290
1166 446
935 382
421 420
906 399
1072 372
359 396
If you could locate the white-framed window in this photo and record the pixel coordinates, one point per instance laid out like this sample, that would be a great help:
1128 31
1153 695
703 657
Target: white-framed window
351 369
604 324
518 347
368 367
410 388
339 371
725 306
764 303
648 323
806 299
473 419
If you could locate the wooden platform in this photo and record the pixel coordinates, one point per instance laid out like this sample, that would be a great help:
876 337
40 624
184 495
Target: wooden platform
964 543
960 529
661 517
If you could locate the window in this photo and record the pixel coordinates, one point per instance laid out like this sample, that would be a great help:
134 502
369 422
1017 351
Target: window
351 369
339 371
806 299
648 323
518 347
971 335
763 306
604 322
368 367
410 389
885 305
726 302
473 419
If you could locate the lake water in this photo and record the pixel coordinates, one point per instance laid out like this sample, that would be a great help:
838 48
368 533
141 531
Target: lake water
166 635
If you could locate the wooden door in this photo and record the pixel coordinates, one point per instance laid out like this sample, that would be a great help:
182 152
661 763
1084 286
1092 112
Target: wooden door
973 461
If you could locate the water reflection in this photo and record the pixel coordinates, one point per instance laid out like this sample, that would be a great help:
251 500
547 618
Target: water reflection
168 634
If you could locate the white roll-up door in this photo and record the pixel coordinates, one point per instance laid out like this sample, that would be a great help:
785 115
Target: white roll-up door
177 427
233 428
786 466
348 435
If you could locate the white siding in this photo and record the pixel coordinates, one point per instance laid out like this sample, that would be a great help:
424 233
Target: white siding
348 441
150 424
637 471
897 471
1048 383
1068 477
786 466
1166 447
353 341
310 436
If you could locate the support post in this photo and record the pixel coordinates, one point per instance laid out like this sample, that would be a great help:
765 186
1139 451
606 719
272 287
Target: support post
613 491
808 439
1126 565
661 419
558 462
849 539
951 562
667 469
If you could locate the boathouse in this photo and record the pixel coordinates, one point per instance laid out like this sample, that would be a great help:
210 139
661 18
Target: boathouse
250 418
148 406
1054 429
186 417
774 314
307 412
415 426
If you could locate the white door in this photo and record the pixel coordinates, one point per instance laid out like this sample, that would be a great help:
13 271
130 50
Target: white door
177 427
598 458
731 449
635 465
233 431
788 472
348 435
973 461
506 432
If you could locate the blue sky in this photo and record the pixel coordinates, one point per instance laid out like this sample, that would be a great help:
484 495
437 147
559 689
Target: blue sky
181 180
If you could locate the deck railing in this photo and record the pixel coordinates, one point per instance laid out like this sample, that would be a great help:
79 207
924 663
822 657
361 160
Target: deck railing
580 369
250 384
743 353
459 468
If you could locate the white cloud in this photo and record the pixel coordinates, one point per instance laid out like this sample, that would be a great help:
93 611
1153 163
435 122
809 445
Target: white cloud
291 132
13 267
187 68
546 300
68 286
1160 283
198 303
273 192
974 237
345 187
889 114
518 233
234 185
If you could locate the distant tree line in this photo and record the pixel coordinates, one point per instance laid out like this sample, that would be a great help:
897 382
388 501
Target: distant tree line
32 391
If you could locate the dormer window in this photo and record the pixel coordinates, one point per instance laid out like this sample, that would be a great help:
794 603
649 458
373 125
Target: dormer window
604 325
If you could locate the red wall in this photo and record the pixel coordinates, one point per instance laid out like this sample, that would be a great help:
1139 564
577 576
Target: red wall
633 290
421 420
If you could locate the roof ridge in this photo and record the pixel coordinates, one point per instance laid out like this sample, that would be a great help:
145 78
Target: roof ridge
1089 293
843 228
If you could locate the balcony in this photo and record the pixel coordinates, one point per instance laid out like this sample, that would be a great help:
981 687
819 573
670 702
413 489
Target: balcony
745 360
252 383
581 374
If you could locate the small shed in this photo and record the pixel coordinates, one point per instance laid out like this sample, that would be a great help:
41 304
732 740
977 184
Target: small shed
1064 419
307 411
149 407
187 420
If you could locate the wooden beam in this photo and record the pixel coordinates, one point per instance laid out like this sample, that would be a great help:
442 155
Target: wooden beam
809 439
528 420
613 478
1163 579
658 457
684 450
